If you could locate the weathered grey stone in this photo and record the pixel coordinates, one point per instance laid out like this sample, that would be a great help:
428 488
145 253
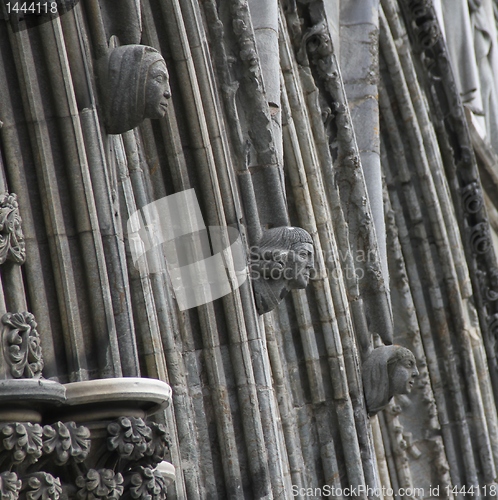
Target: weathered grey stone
388 371
282 261
135 86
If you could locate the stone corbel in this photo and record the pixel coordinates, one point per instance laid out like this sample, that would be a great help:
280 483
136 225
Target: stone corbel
388 371
134 85
283 260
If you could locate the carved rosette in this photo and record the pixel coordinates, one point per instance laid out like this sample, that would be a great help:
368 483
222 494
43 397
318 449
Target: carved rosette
146 484
22 348
493 329
12 245
21 442
41 486
422 28
99 484
47 460
472 198
66 441
129 437
480 238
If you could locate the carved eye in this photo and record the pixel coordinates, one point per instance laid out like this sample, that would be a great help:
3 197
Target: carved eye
303 255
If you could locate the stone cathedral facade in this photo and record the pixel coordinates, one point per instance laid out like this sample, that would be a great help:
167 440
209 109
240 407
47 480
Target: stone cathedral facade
247 249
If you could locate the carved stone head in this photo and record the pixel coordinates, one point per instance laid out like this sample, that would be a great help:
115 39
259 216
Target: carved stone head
388 371
283 260
135 86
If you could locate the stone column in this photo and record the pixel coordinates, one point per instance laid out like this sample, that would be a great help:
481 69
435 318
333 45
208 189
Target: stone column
359 31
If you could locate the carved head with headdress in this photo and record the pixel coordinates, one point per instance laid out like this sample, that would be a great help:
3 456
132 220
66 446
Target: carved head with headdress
135 87
388 370
283 260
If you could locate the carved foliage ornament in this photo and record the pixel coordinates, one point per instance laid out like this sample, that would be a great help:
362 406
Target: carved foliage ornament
99 484
472 197
41 486
66 441
12 245
24 443
129 437
124 467
480 238
21 344
147 484
10 486
136 441
21 442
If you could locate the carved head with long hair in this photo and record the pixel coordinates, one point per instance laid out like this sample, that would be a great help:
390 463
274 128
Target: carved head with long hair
135 86
388 370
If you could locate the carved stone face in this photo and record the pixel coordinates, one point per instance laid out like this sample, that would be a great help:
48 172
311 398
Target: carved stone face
135 86
403 375
300 262
388 371
157 91
282 261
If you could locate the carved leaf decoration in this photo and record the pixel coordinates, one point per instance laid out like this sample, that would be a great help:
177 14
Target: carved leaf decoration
23 442
12 246
102 483
147 484
23 350
159 445
129 437
10 486
41 486
66 441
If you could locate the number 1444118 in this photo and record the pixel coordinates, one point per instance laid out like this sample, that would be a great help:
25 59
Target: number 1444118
31 7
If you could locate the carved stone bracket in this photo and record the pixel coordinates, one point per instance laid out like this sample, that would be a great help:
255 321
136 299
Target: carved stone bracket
97 442
12 245
134 86
283 260
388 371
